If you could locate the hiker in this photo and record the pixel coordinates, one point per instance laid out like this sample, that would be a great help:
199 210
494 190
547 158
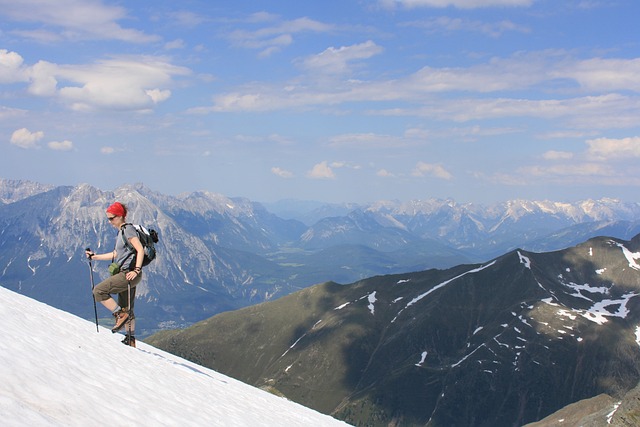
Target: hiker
126 270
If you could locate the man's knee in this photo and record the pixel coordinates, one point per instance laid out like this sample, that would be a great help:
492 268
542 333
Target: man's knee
100 294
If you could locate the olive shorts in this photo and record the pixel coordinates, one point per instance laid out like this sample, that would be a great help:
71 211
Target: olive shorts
117 284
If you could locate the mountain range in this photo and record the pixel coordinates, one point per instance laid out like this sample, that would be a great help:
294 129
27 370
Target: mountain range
218 253
505 342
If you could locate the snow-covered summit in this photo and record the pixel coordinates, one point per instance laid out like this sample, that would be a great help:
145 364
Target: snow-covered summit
56 370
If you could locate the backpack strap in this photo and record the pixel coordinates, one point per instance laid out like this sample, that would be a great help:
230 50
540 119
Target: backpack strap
126 242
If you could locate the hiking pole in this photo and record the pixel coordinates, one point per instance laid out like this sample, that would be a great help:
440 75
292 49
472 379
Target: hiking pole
129 338
95 309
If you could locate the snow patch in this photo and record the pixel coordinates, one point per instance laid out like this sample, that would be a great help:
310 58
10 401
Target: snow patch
524 260
340 307
631 256
422 359
372 299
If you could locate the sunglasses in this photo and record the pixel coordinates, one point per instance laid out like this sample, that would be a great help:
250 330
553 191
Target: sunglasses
111 218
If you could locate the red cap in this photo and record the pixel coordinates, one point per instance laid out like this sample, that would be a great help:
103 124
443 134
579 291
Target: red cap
117 209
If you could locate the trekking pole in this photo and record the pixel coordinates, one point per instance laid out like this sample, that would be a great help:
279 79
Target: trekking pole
129 337
95 309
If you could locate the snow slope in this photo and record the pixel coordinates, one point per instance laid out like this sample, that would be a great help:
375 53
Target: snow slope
55 369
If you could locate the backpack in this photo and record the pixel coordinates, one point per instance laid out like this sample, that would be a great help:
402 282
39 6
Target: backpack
148 238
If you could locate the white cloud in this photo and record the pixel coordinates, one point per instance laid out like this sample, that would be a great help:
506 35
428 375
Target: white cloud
65 145
107 150
321 171
272 38
24 138
281 172
424 91
43 81
121 83
602 163
158 95
602 74
76 20
609 149
429 169
337 60
605 111
299 25
11 67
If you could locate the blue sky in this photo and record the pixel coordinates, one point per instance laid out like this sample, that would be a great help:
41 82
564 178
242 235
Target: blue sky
337 101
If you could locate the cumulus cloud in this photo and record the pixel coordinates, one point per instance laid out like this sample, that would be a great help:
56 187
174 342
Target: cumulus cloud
429 169
158 95
24 138
281 172
321 171
43 81
11 67
119 83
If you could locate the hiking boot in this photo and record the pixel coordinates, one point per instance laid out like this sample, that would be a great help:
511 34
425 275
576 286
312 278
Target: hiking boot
129 340
121 317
